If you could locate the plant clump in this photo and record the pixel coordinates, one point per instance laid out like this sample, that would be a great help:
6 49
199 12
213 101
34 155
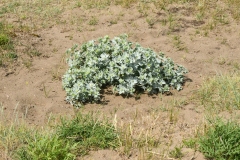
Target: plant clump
3 39
126 66
221 141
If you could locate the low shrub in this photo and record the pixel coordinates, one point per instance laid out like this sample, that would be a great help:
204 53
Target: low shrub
118 62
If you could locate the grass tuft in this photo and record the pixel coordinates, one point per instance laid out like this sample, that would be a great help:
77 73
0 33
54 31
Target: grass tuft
4 39
46 146
221 141
176 153
90 133
66 141
7 53
221 93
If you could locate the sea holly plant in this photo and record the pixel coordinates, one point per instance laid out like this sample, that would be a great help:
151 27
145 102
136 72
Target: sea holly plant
126 66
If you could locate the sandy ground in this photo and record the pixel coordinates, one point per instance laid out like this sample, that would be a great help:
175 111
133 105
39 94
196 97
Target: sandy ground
36 92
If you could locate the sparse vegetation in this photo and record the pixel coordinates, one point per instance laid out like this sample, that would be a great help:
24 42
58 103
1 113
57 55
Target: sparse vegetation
4 40
33 52
150 22
201 34
221 93
179 44
69 139
176 153
190 143
7 53
46 91
93 21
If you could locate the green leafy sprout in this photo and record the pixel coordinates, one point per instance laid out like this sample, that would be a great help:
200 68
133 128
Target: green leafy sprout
126 66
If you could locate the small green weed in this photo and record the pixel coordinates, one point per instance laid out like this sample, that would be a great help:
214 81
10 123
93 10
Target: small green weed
27 63
179 44
190 143
234 8
93 21
221 141
151 22
4 39
33 53
176 152
45 90
236 65
160 5
56 75
6 58
113 21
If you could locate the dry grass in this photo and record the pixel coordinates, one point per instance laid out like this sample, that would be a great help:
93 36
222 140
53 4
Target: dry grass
38 14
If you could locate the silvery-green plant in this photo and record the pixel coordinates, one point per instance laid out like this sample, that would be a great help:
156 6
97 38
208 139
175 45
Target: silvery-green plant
120 63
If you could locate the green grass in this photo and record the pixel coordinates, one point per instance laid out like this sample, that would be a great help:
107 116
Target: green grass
71 138
89 133
12 136
221 93
7 51
75 137
5 36
4 39
46 146
9 7
217 139
6 58
221 141
20 141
